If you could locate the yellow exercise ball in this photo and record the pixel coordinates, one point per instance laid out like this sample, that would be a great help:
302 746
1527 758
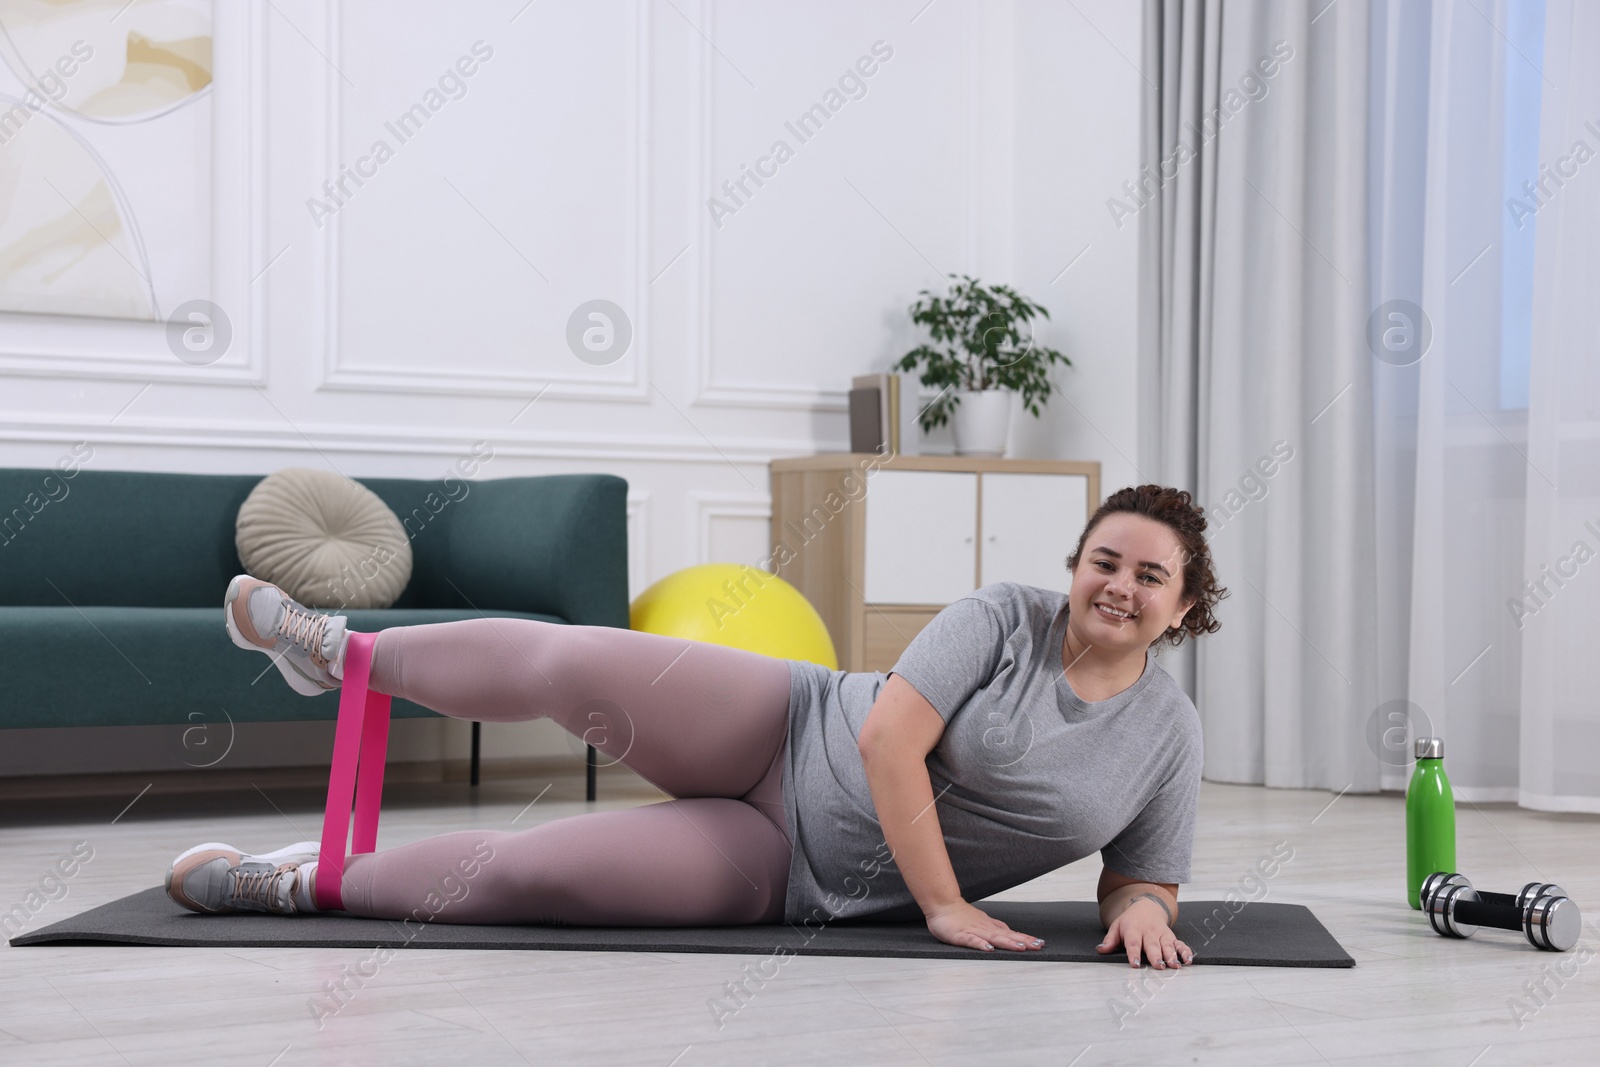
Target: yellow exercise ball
736 605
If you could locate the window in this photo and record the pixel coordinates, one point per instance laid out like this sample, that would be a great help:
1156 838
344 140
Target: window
1524 57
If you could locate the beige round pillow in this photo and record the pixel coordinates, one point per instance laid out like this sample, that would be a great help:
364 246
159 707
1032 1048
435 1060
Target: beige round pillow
325 540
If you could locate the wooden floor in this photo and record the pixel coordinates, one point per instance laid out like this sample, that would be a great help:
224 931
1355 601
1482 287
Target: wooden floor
1413 998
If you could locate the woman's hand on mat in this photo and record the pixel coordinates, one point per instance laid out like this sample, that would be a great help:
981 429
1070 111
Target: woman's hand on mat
965 926
1142 927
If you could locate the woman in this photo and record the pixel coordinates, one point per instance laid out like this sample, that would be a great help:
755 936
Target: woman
1042 717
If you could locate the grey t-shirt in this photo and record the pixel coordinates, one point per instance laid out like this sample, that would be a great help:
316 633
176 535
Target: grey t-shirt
1026 778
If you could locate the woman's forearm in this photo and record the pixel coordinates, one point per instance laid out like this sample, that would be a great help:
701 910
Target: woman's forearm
1118 900
903 795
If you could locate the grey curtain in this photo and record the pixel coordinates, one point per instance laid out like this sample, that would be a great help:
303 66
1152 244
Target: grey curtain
1256 376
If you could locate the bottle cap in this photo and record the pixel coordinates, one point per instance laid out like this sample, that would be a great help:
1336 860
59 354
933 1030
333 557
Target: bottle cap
1430 748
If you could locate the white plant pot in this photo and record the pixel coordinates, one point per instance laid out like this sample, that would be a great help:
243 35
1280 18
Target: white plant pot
980 422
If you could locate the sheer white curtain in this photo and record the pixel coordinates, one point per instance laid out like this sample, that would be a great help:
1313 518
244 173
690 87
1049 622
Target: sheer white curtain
1485 478
1560 685
1429 559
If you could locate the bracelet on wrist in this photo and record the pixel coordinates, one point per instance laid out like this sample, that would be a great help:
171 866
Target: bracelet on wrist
1167 911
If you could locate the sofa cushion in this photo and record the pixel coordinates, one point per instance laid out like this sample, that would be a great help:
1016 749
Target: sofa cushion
160 664
325 540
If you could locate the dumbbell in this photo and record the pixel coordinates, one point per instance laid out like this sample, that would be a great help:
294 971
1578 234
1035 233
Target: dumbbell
1551 923
1521 901
1525 896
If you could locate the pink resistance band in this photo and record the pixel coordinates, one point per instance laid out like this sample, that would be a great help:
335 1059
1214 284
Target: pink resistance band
362 737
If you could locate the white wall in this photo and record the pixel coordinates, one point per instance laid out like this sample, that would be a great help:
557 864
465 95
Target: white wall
431 307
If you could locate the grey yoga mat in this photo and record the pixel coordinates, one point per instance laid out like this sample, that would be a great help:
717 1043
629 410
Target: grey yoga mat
1259 934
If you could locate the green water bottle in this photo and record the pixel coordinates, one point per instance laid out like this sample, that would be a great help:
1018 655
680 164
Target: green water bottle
1430 819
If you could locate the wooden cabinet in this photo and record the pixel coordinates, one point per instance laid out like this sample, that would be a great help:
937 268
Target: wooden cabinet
879 546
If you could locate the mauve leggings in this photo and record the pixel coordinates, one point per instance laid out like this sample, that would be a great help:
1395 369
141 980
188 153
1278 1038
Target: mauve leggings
706 724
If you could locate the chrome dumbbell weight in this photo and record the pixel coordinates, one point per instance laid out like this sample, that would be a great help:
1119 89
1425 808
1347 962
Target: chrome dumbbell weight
1521 899
1551 923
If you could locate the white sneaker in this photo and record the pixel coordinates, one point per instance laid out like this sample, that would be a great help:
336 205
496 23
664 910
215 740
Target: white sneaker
214 878
307 645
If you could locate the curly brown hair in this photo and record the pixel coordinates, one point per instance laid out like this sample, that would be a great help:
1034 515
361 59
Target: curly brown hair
1175 509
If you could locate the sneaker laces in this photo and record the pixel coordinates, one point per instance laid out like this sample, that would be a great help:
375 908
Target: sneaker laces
255 887
305 628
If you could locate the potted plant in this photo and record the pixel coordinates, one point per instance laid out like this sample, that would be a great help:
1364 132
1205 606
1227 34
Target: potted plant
978 358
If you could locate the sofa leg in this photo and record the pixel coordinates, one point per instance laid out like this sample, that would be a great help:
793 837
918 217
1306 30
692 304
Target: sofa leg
589 769
475 729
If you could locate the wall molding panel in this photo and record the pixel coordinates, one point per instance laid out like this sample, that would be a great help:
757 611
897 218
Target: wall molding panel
376 377
639 572
709 390
708 508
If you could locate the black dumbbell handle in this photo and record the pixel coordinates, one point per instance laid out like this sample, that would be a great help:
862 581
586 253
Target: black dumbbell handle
1498 916
1528 894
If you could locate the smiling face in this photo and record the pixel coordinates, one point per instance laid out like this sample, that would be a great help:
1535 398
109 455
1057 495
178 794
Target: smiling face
1132 565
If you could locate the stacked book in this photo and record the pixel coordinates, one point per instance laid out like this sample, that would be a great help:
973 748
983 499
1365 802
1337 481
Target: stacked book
883 415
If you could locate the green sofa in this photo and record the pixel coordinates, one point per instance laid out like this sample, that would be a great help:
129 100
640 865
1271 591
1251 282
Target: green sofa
111 586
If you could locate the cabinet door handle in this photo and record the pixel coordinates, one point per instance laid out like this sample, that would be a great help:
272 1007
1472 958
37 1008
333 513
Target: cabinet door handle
967 540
